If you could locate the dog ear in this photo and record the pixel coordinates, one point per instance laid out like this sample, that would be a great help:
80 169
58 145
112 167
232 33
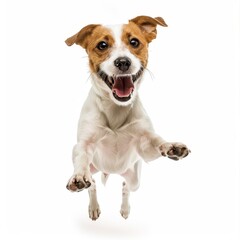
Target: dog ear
82 36
148 25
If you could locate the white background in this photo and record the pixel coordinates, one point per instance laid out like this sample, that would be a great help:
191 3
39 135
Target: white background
191 93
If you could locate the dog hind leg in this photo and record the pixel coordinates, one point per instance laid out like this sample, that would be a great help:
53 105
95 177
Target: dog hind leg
125 207
132 182
93 209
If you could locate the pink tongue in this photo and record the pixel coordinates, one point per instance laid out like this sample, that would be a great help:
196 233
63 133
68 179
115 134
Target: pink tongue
123 86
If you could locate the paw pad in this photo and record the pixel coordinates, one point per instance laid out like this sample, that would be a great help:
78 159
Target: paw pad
174 151
77 184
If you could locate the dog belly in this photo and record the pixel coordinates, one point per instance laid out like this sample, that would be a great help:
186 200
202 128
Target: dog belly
115 154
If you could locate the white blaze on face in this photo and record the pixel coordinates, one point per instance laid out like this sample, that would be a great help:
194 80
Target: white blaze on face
119 49
123 88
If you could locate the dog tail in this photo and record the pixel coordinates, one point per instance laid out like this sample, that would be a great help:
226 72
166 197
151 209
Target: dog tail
104 178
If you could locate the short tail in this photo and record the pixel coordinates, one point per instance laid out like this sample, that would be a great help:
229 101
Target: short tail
104 178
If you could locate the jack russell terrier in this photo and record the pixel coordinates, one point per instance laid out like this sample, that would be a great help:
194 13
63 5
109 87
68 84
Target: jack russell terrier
114 131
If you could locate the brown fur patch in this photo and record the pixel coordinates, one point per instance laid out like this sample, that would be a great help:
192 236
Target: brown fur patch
131 31
88 38
82 36
96 56
148 25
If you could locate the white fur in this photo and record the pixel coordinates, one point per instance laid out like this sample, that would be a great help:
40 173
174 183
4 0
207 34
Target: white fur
114 137
119 50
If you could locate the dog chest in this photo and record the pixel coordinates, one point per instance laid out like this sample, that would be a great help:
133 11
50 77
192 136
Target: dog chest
115 152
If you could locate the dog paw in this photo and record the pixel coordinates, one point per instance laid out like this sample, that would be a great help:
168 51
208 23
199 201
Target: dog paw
94 212
125 210
174 151
78 182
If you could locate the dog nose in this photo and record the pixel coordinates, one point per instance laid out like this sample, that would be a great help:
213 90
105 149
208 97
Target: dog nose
123 63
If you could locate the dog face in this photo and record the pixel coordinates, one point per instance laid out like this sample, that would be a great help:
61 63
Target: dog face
118 55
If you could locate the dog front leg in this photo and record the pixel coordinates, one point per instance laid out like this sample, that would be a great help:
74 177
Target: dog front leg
82 157
151 147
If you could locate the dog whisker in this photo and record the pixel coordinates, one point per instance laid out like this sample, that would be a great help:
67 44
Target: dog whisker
86 56
150 74
89 77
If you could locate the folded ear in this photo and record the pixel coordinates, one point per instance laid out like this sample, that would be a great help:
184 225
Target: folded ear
148 25
81 38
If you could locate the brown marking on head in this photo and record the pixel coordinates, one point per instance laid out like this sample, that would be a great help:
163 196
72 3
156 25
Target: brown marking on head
82 36
142 28
148 26
89 37
132 31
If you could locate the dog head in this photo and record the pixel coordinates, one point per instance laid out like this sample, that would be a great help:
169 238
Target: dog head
118 55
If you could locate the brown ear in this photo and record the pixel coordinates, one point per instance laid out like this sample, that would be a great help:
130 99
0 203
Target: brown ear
81 37
148 25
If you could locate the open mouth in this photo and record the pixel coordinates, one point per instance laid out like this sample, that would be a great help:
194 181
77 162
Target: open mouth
122 85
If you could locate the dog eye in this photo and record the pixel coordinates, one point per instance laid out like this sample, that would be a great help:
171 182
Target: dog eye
102 45
134 42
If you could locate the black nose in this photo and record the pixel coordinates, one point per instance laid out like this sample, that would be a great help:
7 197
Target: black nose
123 63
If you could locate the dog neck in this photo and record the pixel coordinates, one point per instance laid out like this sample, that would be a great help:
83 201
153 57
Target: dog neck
115 116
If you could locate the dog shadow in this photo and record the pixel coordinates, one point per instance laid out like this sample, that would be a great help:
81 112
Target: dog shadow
122 229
